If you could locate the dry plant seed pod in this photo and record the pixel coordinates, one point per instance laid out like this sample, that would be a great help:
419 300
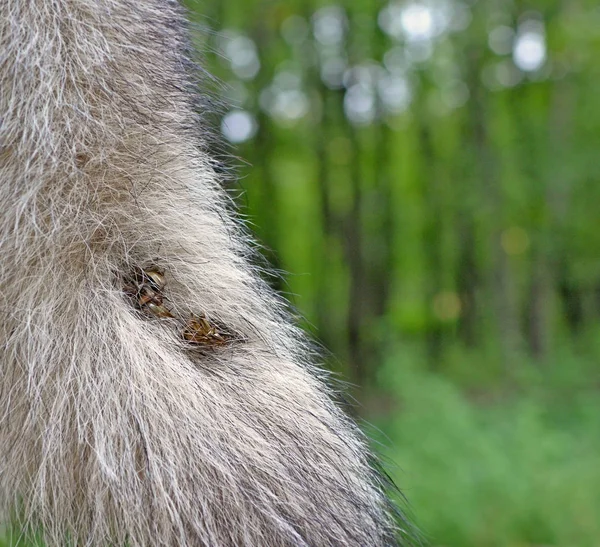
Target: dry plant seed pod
145 289
200 331
159 310
156 279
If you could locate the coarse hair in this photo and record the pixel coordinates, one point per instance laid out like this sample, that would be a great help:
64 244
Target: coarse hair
153 390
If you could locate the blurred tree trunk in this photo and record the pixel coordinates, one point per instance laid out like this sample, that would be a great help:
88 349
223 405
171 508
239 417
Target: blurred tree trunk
432 240
539 305
546 264
386 228
353 239
571 296
264 145
499 280
325 252
468 280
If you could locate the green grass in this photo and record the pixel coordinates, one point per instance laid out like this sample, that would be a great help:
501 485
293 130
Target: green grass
518 466
14 537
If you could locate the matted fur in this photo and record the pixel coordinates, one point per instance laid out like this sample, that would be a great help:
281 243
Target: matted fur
112 430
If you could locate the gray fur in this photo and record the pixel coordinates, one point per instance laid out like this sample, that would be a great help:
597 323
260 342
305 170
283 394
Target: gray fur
113 429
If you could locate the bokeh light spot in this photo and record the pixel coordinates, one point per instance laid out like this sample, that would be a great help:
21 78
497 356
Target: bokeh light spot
514 240
529 52
447 306
238 126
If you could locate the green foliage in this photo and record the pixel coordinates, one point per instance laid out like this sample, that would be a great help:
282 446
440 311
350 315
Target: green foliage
421 168
435 202
14 536
496 468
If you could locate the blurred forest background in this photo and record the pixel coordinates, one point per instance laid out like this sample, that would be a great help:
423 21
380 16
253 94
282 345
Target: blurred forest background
427 174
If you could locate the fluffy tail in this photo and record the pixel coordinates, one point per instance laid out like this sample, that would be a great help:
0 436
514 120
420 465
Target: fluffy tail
152 391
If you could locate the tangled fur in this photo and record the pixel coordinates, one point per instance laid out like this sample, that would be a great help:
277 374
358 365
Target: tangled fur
112 429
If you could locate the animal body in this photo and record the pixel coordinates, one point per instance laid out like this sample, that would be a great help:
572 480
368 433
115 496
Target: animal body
152 389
